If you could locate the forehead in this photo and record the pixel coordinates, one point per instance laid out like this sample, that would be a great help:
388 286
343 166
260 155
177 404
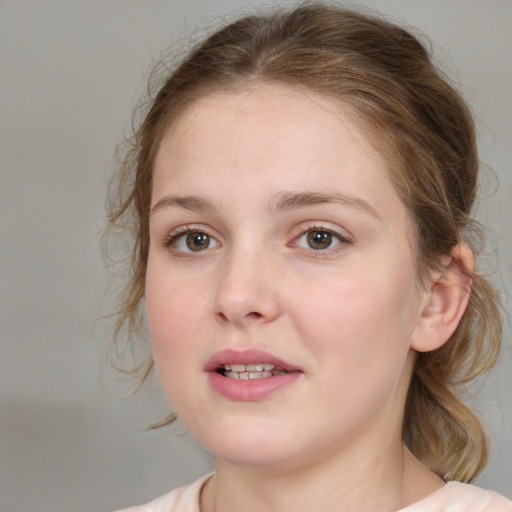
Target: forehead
267 126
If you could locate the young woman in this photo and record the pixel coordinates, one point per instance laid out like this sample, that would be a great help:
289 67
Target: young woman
300 193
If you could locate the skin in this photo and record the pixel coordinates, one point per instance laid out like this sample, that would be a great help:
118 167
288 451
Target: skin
349 316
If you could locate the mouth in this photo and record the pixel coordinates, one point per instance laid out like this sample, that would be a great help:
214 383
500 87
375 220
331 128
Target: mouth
250 371
249 375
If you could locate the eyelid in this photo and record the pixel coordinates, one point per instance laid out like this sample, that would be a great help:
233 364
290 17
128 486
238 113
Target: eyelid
301 230
184 230
343 237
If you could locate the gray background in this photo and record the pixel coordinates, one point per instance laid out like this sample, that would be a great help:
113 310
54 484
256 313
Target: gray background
70 74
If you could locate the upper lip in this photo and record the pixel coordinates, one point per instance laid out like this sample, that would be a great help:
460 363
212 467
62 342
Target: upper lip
251 356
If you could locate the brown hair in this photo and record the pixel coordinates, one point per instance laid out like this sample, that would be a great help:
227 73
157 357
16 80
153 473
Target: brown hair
415 118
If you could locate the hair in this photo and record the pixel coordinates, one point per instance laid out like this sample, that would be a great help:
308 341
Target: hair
416 119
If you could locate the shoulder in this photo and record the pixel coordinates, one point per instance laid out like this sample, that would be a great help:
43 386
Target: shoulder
182 499
459 497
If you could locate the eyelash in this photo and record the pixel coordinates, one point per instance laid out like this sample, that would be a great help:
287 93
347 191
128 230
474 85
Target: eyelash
183 231
342 239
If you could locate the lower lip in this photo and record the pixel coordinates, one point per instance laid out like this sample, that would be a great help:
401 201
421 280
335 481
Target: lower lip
251 390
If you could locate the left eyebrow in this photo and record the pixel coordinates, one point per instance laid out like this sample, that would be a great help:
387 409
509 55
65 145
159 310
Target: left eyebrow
296 200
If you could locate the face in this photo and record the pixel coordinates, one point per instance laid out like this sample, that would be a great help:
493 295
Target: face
281 290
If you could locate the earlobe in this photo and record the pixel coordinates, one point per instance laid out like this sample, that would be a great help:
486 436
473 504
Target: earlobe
446 300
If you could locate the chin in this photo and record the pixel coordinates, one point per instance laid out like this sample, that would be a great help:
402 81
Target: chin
255 458
250 447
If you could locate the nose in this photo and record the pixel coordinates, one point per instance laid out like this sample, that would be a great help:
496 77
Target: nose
247 289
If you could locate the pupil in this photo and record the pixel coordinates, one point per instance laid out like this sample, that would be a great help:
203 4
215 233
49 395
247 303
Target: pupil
319 239
197 241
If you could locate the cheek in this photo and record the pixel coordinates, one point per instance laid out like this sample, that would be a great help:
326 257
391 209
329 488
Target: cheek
174 331
364 317
359 332
174 324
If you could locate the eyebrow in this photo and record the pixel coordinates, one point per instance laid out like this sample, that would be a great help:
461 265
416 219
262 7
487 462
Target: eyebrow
191 203
296 200
287 201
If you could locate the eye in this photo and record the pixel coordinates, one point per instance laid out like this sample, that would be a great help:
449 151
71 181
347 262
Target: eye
191 241
319 239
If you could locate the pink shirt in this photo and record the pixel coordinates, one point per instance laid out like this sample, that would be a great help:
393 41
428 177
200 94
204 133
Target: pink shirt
453 497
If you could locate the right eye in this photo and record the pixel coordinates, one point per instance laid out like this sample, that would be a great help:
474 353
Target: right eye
192 241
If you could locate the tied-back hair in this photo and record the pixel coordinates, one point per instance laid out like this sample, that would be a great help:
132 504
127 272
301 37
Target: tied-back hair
421 125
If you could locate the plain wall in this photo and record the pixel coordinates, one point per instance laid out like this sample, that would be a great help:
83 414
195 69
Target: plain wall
70 73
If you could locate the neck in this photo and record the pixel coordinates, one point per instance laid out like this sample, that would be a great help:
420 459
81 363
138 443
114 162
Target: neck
384 479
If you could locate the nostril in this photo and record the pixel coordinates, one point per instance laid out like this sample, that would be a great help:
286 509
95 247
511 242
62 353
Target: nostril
252 315
222 316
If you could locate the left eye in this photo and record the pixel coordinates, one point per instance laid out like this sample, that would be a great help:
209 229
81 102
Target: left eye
319 239
193 241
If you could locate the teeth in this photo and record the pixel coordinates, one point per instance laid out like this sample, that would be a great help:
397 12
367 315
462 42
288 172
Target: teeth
251 371
250 375
259 375
254 367
258 367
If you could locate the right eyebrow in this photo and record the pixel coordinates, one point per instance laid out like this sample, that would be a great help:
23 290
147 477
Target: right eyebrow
191 203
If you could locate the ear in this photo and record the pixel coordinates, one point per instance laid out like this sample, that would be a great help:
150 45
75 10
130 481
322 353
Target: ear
446 299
